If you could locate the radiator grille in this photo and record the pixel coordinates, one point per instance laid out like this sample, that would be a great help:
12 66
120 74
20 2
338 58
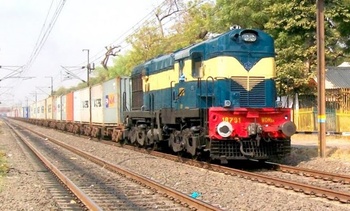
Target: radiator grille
251 89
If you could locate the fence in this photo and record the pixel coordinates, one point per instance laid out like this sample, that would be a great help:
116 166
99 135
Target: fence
306 120
337 112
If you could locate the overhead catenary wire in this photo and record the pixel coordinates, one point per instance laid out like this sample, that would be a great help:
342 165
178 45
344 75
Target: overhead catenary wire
43 36
132 30
49 23
119 40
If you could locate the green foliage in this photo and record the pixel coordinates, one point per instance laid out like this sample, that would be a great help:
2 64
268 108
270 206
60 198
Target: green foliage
3 164
123 65
292 23
195 23
245 13
146 43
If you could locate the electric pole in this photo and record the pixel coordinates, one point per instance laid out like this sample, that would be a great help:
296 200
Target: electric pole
321 79
88 83
51 84
87 67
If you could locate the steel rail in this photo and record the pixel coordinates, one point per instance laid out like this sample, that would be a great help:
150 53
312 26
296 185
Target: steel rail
343 197
195 204
87 201
345 179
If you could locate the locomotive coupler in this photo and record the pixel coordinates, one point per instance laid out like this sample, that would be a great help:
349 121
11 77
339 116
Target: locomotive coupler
249 154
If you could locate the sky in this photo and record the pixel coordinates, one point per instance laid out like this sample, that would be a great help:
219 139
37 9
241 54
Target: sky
39 39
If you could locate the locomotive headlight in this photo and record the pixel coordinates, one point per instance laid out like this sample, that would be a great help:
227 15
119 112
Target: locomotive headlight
227 103
249 37
224 129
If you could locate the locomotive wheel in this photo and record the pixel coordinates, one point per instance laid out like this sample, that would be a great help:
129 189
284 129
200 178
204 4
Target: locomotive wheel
133 135
190 142
152 137
176 142
141 137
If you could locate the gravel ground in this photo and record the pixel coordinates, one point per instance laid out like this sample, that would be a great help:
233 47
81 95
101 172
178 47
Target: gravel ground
230 193
21 188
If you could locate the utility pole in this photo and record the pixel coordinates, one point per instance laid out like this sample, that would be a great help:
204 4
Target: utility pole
321 80
87 67
88 83
51 84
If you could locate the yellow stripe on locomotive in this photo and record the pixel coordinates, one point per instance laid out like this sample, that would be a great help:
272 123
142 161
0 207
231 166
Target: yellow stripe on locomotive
218 67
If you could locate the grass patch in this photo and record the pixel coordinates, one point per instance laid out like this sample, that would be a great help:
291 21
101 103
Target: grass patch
3 169
3 164
339 153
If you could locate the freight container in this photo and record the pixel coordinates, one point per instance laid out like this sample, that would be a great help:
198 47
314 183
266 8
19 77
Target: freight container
54 107
64 107
32 110
97 104
117 99
41 109
77 106
16 111
58 108
85 104
69 106
49 105
25 112
110 93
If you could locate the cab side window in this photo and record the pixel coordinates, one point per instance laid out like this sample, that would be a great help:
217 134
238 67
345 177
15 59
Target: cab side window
197 59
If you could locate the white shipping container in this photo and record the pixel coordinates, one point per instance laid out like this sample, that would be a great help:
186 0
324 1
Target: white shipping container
85 105
97 104
40 108
58 108
63 108
32 110
77 106
49 106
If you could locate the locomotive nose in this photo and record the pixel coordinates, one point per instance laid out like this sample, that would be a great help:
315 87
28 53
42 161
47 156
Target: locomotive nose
288 128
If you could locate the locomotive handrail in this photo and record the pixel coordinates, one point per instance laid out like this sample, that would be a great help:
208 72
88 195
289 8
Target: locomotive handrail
171 94
125 108
152 102
206 83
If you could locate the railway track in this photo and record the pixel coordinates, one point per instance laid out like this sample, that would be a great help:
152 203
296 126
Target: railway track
109 187
329 193
62 196
317 191
326 176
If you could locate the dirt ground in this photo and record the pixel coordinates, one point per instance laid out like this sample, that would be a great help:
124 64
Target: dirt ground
313 140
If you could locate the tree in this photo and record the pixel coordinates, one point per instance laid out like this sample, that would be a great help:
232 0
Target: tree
245 13
194 24
293 25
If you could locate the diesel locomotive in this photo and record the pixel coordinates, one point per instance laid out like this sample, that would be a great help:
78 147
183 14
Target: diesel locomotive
217 97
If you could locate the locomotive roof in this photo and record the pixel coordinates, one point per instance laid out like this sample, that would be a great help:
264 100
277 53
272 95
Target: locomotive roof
219 45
